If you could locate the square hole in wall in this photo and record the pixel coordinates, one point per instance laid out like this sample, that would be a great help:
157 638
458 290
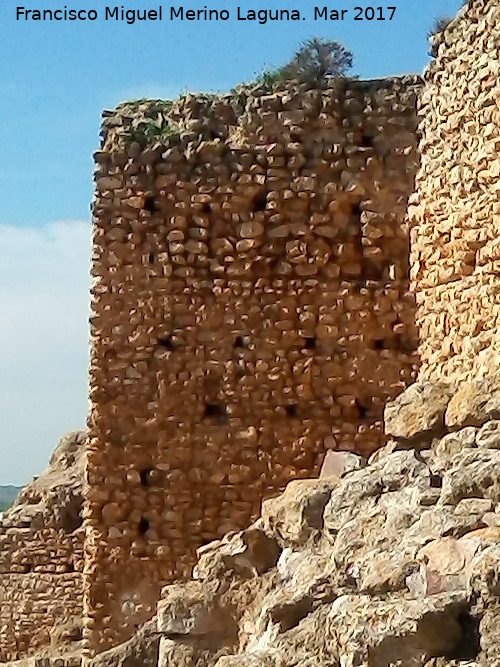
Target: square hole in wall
216 412
151 204
310 343
166 342
259 201
144 526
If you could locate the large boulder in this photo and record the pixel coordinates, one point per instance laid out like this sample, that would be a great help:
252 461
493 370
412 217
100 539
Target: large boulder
419 411
476 402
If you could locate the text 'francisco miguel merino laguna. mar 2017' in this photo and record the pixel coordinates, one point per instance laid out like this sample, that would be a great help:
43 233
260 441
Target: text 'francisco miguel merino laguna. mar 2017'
206 14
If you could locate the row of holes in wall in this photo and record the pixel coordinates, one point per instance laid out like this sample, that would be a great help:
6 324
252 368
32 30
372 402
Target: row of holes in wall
310 343
257 204
144 524
240 343
217 411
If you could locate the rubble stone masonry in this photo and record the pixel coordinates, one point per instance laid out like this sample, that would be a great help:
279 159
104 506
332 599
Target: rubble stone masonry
250 311
455 212
40 586
41 558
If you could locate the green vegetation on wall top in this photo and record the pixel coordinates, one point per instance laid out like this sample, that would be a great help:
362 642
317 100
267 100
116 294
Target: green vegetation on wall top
316 63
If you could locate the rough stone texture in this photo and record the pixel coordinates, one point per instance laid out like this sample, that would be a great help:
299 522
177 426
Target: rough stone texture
59 660
336 464
141 650
41 558
455 212
298 513
420 409
399 565
476 402
250 310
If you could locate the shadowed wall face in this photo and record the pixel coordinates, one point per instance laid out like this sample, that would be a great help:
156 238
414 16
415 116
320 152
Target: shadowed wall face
455 212
250 311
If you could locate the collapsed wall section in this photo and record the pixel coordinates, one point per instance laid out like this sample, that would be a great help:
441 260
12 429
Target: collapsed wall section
250 310
455 212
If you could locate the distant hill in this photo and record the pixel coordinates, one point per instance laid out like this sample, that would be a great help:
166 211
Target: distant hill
7 495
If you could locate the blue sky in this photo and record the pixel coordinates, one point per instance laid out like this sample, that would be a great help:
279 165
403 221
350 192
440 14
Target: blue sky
56 78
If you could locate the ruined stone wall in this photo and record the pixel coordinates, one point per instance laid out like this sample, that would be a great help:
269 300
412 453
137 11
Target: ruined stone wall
250 310
40 587
41 558
455 213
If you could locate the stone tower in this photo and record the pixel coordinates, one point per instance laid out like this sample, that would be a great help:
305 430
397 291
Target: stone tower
250 311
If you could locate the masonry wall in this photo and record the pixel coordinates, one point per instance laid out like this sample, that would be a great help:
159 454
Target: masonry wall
250 310
41 559
40 588
455 213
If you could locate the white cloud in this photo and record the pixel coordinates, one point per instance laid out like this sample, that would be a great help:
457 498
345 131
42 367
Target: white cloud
44 309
